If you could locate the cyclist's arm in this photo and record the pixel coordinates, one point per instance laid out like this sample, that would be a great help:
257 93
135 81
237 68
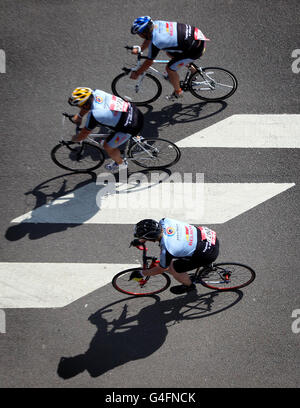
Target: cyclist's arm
146 64
83 134
77 118
145 45
156 270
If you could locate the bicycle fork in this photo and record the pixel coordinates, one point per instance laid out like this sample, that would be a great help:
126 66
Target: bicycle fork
154 263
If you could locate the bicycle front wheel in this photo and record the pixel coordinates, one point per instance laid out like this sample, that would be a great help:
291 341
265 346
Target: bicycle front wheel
77 156
227 276
150 286
154 153
144 90
212 84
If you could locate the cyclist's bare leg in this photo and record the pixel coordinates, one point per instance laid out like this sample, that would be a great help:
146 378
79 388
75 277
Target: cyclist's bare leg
180 277
174 79
114 154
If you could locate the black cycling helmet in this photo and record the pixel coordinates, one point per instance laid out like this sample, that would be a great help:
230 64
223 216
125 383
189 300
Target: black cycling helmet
147 229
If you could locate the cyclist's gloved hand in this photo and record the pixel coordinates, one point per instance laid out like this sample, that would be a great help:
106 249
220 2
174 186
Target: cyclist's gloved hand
136 49
136 275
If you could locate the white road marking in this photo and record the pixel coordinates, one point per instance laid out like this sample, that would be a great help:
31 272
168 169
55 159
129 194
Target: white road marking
249 131
42 285
202 203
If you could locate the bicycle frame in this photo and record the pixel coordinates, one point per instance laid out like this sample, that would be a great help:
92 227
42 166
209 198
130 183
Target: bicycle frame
91 138
154 261
206 83
142 247
183 84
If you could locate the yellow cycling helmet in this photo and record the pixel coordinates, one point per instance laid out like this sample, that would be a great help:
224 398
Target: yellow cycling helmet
80 96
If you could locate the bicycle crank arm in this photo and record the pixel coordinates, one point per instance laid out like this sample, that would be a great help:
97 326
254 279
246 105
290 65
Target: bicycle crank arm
217 282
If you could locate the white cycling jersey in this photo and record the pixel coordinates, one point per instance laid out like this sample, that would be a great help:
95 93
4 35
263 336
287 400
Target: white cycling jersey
106 109
181 240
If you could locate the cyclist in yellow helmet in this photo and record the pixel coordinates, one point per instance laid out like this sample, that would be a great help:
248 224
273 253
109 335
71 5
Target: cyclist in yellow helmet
124 118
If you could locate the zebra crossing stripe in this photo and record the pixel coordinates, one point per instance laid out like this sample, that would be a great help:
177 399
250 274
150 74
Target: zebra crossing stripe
249 131
202 203
42 285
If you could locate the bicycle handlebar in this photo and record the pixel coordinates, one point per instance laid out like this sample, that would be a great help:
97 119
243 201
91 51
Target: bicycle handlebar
139 54
142 247
67 115
139 245
70 117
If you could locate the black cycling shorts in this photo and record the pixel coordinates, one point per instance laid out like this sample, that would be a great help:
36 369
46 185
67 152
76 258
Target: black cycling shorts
131 121
193 54
198 259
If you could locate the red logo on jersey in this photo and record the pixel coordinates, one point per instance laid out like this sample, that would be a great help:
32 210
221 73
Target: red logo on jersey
169 28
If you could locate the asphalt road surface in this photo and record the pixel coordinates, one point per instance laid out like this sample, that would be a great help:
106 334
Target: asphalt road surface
248 338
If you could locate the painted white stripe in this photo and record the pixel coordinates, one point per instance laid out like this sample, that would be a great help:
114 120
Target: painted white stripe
202 203
42 285
249 131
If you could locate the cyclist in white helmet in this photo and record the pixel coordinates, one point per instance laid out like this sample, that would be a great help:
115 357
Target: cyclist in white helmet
182 42
124 118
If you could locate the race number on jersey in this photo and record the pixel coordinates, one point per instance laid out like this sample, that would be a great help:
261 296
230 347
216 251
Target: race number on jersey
118 104
198 35
208 235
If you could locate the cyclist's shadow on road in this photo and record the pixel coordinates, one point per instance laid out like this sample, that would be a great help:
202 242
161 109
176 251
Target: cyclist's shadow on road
38 223
178 113
69 200
138 336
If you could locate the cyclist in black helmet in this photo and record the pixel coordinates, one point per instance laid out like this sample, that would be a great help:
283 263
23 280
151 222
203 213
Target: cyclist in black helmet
184 247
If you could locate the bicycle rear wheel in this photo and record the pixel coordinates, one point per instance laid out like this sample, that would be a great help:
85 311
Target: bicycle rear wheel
140 92
77 156
227 276
154 153
154 284
212 84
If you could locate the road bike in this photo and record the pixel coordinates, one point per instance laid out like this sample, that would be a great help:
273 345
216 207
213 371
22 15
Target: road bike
210 84
220 276
88 155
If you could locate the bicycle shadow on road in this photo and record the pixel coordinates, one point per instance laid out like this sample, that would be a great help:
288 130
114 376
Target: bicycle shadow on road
68 201
178 113
135 336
